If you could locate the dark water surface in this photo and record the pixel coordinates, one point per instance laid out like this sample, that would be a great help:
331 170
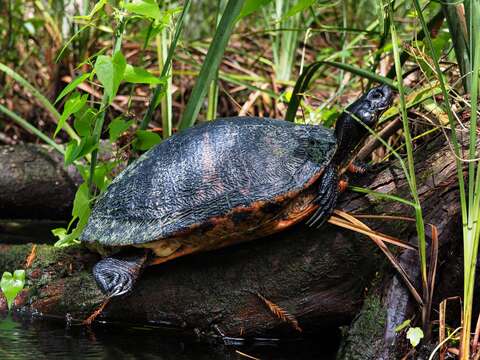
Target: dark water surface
28 338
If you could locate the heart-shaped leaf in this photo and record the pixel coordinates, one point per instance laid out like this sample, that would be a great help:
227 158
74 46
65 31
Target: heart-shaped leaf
11 285
110 72
415 334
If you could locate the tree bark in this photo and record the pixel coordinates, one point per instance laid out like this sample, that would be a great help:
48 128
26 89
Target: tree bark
318 276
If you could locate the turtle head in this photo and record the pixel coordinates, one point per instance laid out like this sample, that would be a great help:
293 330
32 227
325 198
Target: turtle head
350 128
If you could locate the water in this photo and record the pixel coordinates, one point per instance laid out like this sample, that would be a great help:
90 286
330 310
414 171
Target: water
25 338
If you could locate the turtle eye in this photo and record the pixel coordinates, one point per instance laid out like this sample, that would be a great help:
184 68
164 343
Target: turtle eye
376 95
311 142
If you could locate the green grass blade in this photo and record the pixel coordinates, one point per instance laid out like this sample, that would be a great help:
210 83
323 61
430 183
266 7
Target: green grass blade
162 41
448 107
41 99
458 31
29 127
303 82
211 63
166 68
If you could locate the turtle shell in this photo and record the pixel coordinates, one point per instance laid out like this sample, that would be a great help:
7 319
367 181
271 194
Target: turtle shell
208 172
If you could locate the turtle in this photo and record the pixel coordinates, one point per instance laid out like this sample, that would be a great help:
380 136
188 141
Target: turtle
220 183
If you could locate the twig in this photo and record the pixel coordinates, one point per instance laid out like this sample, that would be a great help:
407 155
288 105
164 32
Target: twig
88 321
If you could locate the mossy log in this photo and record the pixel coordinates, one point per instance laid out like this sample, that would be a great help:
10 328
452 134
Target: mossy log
318 276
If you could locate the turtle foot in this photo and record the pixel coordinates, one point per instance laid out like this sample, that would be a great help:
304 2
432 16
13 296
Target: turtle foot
116 276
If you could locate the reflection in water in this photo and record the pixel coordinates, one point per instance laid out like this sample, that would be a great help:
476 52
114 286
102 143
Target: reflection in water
23 338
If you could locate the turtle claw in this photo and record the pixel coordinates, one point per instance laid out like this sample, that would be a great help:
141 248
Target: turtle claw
116 277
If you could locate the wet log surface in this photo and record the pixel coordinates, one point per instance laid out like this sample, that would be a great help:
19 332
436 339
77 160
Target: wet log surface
320 277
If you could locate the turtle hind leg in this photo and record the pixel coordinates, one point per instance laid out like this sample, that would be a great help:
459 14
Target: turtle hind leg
116 276
326 199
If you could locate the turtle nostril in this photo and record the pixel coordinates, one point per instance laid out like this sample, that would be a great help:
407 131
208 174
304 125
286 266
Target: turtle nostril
386 91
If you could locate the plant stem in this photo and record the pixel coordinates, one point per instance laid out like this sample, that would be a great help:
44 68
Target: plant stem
97 130
422 245
166 68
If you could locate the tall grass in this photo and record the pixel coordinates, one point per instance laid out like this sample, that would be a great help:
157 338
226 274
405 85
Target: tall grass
167 64
411 178
284 38
469 192
212 62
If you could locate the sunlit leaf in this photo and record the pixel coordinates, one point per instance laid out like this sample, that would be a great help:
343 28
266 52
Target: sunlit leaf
146 139
414 335
403 325
84 121
117 127
138 75
11 285
70 151
98 6
72 86
81 211
147 8
110 72
81 201
74 104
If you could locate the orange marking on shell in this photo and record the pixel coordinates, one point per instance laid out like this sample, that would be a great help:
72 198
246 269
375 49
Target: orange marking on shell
221 231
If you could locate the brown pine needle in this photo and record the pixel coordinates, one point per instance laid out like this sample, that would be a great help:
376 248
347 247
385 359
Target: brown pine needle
379 241
246 355
280 313
31 257
88 321
366 231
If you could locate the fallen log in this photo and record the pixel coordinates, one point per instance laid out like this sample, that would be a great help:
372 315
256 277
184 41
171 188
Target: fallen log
318 276
34 183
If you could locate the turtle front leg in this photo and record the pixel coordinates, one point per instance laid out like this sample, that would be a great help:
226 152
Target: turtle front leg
116 276
326 199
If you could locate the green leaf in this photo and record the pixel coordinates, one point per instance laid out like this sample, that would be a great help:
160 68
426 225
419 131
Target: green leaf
403 325
70 87
117 127
11 285
74 104
76 150
81 203
299 7
98 6
138 75
251 6
212 61
414 335
81 211
70 151
61 233
100 178
110 72
84 121
146 139
146 8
